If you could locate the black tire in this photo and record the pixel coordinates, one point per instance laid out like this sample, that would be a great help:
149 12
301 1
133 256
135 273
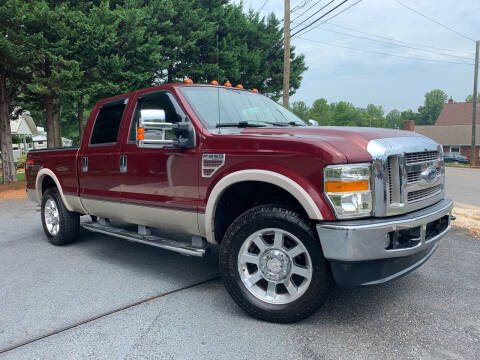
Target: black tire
274 216
69 222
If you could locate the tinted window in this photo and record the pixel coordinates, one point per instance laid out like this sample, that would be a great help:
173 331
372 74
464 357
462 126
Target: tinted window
156 101
108 123
214 105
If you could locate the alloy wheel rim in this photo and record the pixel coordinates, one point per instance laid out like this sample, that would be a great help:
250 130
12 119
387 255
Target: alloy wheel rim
52 217
275 266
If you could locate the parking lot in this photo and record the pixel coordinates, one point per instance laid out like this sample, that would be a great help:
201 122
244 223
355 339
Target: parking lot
107 298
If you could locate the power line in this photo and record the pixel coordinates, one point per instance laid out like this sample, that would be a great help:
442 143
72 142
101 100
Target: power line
301 5
333 16
315 13
303 13
388 54
263 5
399 41
391 43
318 19
433 20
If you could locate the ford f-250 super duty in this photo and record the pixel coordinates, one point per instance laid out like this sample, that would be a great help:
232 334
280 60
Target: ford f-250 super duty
293 208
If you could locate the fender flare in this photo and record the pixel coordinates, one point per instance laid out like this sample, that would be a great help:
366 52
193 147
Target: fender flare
38 186
282 181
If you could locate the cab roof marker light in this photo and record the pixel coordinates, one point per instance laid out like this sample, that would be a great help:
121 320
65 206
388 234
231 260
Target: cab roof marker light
214 82
255 90
239 86
227 83
188 81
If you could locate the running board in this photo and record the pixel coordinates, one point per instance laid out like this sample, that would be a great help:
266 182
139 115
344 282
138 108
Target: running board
179 247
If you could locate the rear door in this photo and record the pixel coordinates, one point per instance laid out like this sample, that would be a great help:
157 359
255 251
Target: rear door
160 185
100 181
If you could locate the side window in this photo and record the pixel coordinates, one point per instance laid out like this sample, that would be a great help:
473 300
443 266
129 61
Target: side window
107 123
157 101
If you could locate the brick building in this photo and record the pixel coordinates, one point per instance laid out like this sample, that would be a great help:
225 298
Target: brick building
453 128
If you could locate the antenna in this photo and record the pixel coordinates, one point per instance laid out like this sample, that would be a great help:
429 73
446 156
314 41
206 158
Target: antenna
218 77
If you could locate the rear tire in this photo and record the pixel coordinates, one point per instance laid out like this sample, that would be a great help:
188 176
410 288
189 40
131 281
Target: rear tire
60 225
273 266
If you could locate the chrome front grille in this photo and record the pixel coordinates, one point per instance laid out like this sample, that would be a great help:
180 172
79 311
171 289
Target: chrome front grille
421 156
409 174
418 195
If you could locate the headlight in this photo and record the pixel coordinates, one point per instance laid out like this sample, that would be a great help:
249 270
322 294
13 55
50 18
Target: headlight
347 187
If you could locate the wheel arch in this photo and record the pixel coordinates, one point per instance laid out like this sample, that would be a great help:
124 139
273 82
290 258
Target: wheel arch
256 175
43 175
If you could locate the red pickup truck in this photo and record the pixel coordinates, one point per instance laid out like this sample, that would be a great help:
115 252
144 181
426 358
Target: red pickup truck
294 209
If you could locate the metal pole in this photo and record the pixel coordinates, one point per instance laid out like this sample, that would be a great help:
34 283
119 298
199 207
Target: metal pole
286 54
473 157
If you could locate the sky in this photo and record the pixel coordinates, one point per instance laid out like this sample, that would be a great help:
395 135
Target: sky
363 78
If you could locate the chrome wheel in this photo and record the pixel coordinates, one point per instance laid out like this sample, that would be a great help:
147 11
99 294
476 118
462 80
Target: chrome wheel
52 217
275 266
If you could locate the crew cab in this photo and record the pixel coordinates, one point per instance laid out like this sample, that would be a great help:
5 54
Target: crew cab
293 209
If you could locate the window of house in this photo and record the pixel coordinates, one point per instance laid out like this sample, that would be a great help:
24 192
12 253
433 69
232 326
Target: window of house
107 124
455 149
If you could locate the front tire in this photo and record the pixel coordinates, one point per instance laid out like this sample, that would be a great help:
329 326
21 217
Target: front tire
273 266
60 225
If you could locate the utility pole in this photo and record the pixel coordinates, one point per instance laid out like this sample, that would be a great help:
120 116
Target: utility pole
473 157
286 54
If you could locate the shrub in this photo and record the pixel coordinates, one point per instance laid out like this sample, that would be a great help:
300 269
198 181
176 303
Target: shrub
21 162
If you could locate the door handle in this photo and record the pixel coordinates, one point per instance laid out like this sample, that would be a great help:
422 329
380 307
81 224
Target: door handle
123 163
85 164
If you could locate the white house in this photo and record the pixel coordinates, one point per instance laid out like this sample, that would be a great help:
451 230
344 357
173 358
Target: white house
25 128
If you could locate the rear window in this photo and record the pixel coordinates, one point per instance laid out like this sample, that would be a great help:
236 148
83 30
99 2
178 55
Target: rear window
107 124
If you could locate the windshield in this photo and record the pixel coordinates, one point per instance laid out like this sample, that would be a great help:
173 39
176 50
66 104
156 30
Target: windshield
217 105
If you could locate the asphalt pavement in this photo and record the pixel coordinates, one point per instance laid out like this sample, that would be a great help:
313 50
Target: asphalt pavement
463 185
106 298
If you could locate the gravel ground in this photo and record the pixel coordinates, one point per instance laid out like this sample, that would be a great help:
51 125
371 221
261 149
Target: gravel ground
103 298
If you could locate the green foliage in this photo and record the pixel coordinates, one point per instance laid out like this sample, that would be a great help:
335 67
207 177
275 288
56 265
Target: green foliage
76 52
21 162
470 98
429 112
300 109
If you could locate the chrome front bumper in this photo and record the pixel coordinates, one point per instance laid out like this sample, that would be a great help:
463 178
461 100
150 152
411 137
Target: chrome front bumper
366 240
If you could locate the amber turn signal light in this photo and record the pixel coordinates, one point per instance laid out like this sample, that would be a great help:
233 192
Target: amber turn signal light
188 81
346 186
140 133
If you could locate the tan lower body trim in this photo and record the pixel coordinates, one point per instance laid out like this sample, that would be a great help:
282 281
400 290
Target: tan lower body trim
178 221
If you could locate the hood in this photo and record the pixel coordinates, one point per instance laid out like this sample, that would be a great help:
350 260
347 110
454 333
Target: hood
350 141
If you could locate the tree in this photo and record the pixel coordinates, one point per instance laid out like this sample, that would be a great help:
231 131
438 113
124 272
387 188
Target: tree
394 119
13 74
320 111
300 109
434 102
470 98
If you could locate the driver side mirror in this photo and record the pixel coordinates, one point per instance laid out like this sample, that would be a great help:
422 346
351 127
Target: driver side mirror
154 132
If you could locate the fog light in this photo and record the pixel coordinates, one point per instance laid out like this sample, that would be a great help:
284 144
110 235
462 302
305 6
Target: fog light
388 241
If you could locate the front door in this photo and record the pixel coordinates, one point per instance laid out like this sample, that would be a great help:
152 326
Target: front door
160 185
100 181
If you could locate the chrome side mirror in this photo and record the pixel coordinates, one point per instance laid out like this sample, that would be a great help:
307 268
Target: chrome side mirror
152 131
312 122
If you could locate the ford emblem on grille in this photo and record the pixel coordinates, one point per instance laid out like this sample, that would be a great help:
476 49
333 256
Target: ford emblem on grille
429 175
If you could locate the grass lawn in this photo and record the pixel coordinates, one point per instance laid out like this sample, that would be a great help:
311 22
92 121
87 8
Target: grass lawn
20 177
457 165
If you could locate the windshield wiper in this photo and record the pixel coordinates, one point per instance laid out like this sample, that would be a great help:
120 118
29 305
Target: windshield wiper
290 123
240 124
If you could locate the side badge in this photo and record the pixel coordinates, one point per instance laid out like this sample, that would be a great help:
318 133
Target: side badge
211 163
